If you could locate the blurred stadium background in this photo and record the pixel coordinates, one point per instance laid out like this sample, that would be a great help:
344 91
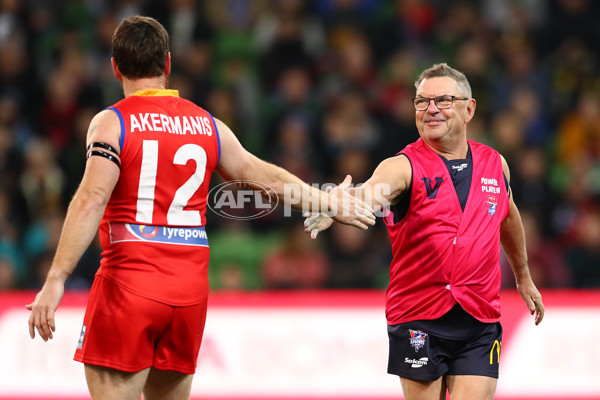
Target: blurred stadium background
321 88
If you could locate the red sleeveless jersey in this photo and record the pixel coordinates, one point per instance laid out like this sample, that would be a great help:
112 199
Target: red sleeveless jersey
441 254
152 233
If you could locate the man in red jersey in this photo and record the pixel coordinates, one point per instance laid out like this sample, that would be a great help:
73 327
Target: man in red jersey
450 209
150 160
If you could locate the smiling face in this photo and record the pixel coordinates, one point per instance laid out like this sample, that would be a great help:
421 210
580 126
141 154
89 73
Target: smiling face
444 129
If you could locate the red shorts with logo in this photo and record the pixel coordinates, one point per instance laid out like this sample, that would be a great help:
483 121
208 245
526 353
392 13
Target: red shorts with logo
124 331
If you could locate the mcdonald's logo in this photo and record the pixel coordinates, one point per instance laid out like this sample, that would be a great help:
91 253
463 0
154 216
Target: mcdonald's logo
497 344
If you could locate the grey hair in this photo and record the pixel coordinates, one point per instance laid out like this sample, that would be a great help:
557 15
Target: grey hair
444 70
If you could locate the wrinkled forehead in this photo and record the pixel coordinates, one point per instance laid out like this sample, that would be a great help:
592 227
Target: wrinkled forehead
437 86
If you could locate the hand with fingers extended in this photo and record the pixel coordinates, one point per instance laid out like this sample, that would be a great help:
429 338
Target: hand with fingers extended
315 223
43 309
532 297
347 210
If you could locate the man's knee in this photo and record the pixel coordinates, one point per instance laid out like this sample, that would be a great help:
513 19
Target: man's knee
167 385
471 387
108 383
423 390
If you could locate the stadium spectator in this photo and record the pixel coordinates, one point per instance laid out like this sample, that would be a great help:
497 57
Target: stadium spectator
546 258
579 132
357 260
297 264
14 267
42 181
584 256
531 187
287 48
239 269
450 208
293 148
8 274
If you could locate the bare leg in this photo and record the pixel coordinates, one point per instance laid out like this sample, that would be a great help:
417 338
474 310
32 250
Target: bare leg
471 387
167 385
109 384
423 390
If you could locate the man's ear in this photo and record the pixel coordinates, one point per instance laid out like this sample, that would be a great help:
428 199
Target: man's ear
470 108
168 63
115 69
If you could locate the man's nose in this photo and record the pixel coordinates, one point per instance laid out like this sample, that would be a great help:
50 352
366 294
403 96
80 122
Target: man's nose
432 107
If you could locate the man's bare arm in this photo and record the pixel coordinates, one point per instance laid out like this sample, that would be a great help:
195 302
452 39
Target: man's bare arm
512 237
390 179
81 223
238 164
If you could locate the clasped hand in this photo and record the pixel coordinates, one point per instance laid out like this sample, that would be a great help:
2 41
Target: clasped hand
350 211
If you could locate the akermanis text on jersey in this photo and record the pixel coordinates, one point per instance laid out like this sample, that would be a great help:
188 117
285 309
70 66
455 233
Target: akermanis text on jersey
178 125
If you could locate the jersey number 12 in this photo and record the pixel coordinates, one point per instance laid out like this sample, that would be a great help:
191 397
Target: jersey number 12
176 215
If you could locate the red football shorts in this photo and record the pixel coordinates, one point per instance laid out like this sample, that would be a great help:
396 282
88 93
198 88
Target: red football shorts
124 331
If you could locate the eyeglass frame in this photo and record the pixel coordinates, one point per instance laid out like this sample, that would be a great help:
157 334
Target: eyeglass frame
435 101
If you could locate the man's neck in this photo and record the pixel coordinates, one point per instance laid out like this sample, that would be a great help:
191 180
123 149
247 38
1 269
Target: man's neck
451 149
130 86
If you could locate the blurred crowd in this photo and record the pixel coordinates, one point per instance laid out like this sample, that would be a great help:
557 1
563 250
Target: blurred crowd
322 88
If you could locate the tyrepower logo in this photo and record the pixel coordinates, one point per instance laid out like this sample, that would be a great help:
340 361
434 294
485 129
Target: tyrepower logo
242 200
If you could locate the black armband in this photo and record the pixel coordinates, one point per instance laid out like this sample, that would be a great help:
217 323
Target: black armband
105 155
102 145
